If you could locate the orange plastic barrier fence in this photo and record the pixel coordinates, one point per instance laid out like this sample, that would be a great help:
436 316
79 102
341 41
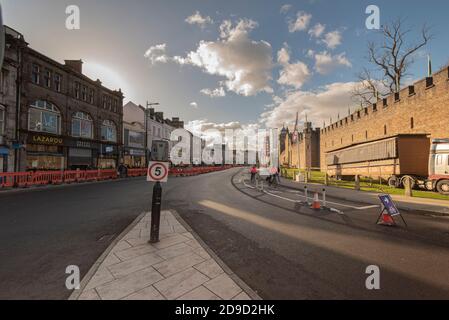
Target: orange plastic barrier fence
27 179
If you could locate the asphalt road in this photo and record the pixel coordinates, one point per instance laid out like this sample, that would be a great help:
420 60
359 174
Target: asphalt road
280 249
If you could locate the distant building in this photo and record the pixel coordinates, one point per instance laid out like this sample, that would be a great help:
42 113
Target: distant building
134 149
300 149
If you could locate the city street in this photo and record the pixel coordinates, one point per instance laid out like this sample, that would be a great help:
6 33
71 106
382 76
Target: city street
282 250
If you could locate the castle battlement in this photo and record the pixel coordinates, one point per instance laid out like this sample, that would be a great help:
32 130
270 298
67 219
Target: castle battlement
419 90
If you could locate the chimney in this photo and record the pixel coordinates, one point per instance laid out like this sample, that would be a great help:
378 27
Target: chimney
75 65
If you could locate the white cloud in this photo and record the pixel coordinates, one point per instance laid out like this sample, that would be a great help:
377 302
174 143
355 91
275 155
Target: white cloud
157 53
244 63
326 62
292 74
333 39
214 93
285 8
194 105
317 30
301 23
318 105
199 20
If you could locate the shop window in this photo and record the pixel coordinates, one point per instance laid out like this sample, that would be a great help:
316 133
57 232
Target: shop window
108 131
82 125
43 116
2 120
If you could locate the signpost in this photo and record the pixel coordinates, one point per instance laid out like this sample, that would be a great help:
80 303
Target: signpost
158 170
389 210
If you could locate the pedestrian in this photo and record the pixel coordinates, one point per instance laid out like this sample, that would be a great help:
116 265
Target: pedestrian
253 174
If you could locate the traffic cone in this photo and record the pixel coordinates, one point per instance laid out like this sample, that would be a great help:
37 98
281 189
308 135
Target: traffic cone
316 202
386 220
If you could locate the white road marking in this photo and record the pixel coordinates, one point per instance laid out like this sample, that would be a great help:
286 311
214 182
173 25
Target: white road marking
330 202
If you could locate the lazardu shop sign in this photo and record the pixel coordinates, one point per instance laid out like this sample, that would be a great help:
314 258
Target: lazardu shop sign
43 139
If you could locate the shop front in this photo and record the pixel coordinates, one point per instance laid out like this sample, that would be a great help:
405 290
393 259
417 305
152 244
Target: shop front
134 158
82 154
44 152
108 156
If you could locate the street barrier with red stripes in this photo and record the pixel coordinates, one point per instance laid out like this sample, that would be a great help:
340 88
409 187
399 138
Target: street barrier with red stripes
41 178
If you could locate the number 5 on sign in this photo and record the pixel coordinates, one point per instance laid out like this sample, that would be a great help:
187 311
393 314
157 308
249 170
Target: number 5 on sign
157 172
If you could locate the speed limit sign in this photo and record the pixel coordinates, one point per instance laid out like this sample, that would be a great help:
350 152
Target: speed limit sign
157 172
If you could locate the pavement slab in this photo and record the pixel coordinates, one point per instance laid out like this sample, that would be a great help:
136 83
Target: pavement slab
177 267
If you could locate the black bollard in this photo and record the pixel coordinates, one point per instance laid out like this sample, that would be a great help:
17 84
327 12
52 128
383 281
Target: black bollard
156 213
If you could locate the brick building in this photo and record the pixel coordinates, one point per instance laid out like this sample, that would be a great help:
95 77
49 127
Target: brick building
300 149
66 120
419 109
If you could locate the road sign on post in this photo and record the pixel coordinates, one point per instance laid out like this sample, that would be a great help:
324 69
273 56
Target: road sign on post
157 171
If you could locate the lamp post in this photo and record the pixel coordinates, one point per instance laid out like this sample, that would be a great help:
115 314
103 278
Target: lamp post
149 105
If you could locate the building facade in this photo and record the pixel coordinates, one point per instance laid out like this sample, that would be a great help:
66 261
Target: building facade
300 149
65 120
419 109
9 99
134 148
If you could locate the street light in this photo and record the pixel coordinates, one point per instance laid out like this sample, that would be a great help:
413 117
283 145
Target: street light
149 105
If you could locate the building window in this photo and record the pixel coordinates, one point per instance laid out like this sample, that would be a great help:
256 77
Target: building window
47 78
412 123
84 93
91 96
115 105
108 131
109 104
82 126
77 90
366 134
104 102
58 82
2 120
385 129
36 74
44 117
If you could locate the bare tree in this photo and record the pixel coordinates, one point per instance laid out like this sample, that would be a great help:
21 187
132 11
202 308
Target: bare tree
391 59
368 89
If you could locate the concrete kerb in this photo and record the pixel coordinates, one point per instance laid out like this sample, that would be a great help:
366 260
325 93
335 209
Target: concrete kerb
76 293
250 292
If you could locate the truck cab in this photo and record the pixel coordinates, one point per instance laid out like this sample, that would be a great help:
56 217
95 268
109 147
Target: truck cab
439 165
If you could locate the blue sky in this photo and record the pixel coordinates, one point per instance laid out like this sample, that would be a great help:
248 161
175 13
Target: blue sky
115 35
